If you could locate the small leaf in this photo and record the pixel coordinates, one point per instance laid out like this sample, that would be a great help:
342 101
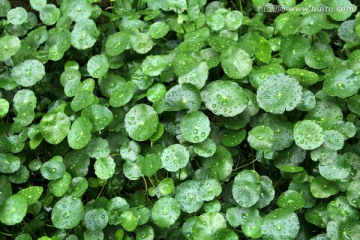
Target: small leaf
207 224
84 33
9 163
165 212
67 212
98 115
97 66
236 63
174 157
280 223
246 188
322 188
225 98
9 46
261 138
49 14
117 43
158 30
53 169
95 219
13 210
54 126
31 194
279 93
17 16
291 199
80 133
141 122
195 127
104 167
308 134
28 73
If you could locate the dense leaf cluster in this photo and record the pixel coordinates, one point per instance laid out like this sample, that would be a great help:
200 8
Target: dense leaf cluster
179 119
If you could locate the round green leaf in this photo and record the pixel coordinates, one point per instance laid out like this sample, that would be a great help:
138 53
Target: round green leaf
339 169
195 127
49 14
279 93
60 186
341 82
53 169
219 165
197 76
95 219
317 215
308 101
117 43
267 192
215 21
233 20
97 66
319 56
340 4
188 196
4 107
333 140
293 49
308 134
67 212
131 170
84 34
116 206
185 96
206 148
207 224
141 122
78 186
225 98
98 148
236 63
150 164
37 4
13 210
28 73
322 188
246 188
9 163
280 224
326 114
122 95
209 189
156 92
165 212
20 176
128 220
166 186
154 65
104 167
174 157
79 10
145 232
9 46
141 42
158 30
353 104
261 138
353 193
291 199
31 194
98 115
80 133
17 16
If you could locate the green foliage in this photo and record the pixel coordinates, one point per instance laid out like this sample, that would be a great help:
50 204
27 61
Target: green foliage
179 119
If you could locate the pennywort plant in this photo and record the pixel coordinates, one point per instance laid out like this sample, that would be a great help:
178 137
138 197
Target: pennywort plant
179 119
